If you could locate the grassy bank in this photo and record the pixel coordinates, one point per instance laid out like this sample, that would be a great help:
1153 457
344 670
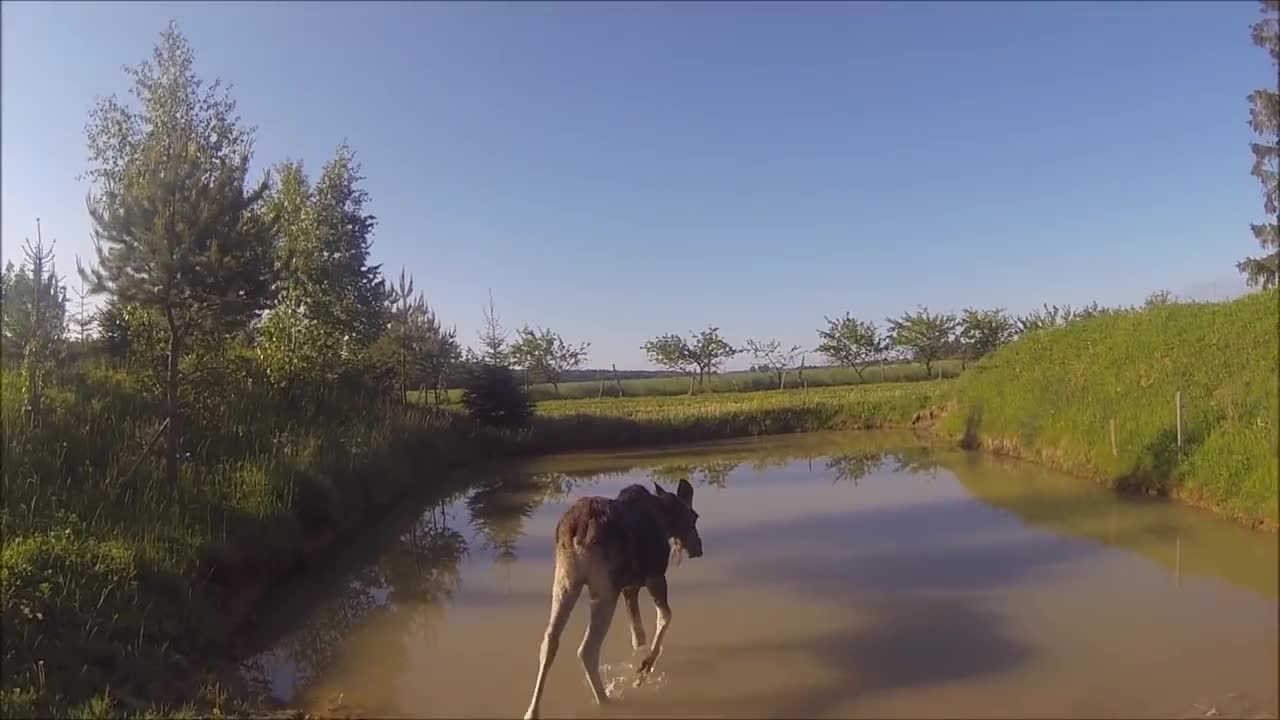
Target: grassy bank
118 591
1052 397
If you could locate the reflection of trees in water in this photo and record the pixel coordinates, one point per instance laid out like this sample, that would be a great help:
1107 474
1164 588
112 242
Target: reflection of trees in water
714 472
499 509
852 467
920 461
419 568
773 462
559 485
500 506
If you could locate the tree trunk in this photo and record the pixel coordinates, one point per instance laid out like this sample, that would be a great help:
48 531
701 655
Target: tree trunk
928 368
556 385
782 379
171 402
859 371
404 378
691 379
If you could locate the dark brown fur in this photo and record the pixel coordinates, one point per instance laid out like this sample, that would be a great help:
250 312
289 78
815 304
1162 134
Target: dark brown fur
613 546
629 529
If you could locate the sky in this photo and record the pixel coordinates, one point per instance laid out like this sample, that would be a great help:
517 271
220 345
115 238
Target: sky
615 171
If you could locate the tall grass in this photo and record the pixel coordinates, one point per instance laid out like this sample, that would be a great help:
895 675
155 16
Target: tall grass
112 579
1052 396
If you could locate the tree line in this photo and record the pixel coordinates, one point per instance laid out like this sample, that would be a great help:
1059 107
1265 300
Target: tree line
918 336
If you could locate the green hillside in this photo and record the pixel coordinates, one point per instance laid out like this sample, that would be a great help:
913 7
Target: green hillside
1053 394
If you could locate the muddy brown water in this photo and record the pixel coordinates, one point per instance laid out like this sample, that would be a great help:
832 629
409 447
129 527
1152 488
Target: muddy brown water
845 575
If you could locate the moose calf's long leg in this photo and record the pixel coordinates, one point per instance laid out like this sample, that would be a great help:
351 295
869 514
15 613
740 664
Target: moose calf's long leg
564 594
657 589
632 596
602 606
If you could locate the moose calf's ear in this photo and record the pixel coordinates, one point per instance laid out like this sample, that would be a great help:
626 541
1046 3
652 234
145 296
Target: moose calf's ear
684 491
657 489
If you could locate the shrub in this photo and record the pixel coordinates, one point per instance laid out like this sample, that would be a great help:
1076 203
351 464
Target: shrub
493 396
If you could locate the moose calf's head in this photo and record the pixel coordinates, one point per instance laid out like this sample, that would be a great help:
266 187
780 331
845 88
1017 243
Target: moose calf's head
680 517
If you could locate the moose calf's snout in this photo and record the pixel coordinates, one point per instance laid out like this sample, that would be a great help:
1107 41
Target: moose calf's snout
694 547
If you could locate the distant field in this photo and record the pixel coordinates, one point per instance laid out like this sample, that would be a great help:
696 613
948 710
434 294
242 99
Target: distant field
740 381
597 423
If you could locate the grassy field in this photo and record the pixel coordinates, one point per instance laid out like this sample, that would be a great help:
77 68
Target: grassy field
739 381
1053 396
110 579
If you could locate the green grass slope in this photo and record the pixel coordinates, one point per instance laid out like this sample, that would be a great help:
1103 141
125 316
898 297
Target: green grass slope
1051 396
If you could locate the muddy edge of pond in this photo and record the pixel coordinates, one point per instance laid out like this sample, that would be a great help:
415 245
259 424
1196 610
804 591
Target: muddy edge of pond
1053 460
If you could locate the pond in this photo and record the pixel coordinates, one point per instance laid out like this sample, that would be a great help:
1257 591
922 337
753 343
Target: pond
844 575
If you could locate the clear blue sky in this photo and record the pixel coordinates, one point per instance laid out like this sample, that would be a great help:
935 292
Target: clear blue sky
615 171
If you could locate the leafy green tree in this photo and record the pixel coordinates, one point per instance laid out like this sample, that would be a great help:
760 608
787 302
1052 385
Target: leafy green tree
774 358
672 352
544 353
708 351
851 342
349 292
1264 118
926 336
982 331
699 356
332 302
440 353
175 226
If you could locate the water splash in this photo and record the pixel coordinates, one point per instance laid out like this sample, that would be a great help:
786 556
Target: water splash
619 678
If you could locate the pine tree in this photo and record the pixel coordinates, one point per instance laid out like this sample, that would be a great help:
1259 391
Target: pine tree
1264 118
176 229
